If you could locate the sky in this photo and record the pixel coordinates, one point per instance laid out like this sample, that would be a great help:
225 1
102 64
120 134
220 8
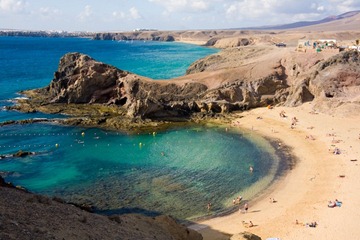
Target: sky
122 15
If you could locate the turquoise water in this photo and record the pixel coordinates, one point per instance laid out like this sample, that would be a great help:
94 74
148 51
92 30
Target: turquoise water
175 172
28 63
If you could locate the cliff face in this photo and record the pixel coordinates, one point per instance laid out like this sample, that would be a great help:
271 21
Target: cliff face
82 80
331 83
336 84
337 77
143 36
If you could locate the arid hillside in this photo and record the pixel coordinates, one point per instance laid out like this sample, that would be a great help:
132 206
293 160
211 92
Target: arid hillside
27 216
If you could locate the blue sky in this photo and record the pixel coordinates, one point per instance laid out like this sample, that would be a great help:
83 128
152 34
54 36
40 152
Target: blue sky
121 15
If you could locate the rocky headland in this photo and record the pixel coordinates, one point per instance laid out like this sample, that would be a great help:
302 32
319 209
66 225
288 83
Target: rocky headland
236 79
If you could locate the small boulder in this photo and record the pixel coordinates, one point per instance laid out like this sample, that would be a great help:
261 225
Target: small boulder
245 236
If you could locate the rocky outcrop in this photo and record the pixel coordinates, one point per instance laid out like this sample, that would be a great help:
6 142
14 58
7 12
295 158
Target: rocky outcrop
245 236
229 42
21 154
141 36
155 100
82 80
39 217
229 81
331 83
337 77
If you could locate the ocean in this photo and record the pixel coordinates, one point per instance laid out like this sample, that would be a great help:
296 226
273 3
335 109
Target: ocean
175 172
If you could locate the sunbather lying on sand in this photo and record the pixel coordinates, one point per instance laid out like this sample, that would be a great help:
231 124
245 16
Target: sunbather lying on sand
247 225
335 203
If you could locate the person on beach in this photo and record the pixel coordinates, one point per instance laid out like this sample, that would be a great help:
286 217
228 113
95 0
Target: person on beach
331 204
247 225
282 114
335 203
293 122
311 137
246 207
312 224
336 151
238 199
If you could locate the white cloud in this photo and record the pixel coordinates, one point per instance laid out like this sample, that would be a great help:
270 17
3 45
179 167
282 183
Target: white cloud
247 9
187 19
320 8
341 6
199 6
86 13
171 5
184 5
166 14
119 14
12 5
246 12
47 11
267 12
256 8
133 13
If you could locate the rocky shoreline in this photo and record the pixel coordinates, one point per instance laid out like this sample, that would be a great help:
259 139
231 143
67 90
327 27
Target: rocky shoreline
34 216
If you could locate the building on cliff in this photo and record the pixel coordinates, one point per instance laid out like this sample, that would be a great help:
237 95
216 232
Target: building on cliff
318 45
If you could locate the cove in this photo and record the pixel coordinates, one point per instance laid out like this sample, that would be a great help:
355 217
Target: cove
175 172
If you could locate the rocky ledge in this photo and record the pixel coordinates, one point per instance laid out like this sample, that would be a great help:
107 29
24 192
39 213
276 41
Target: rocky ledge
29 216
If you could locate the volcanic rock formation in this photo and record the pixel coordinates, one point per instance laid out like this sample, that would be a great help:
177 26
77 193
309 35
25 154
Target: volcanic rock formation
82 80
232 80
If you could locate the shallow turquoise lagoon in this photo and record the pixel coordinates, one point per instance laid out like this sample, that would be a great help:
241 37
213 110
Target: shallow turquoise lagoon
174 172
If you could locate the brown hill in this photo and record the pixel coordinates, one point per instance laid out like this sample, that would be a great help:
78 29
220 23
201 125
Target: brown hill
351 23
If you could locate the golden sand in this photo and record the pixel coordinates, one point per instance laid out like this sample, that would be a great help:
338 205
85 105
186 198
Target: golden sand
303 194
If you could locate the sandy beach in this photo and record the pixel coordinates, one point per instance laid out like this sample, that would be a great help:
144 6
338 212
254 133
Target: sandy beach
303 194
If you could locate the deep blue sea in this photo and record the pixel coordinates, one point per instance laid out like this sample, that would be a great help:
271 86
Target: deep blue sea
174 172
